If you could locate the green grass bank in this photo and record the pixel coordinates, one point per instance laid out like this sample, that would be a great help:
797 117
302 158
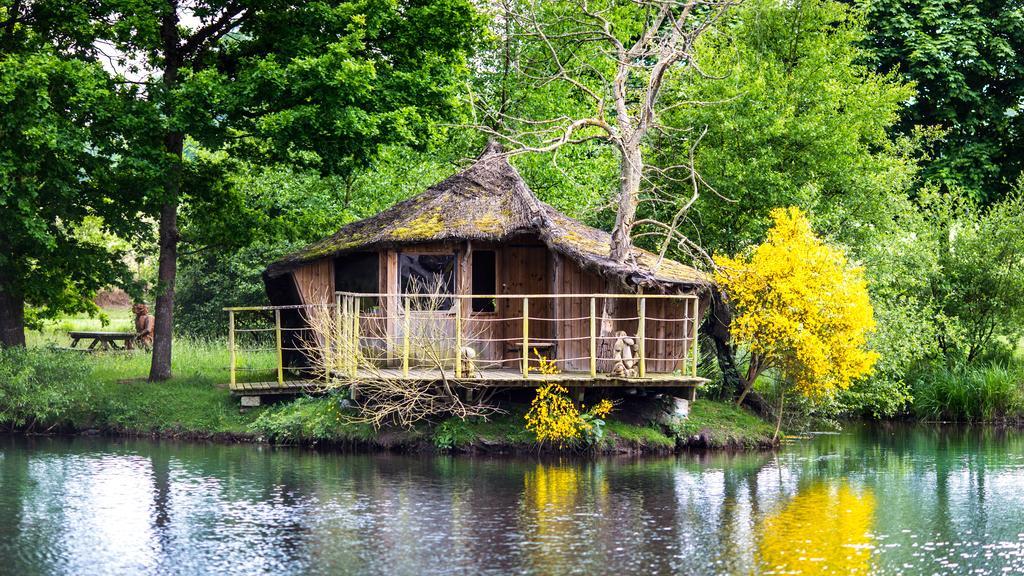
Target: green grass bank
47 390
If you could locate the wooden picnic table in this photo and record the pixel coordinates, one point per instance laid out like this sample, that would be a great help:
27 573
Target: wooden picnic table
104 340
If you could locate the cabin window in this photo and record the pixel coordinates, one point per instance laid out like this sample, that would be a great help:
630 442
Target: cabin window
428 274
485 280
358 272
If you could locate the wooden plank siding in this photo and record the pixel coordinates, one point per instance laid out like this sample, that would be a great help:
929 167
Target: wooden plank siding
315 281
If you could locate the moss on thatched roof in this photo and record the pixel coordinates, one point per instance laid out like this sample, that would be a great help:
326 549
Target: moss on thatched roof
489 201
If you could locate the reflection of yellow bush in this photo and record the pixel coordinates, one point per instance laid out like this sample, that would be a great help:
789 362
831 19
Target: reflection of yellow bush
822 530
554 494
553 489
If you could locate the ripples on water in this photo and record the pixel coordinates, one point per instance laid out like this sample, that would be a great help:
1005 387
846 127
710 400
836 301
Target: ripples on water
869 501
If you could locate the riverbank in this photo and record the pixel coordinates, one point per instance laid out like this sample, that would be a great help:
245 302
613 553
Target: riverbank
47 391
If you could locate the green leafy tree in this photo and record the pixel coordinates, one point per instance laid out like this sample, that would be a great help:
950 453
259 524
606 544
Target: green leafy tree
795 120
978 285
795 117
60 127
315 84
967 61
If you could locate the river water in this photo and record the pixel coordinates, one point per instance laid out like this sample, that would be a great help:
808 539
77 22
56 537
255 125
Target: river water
881 500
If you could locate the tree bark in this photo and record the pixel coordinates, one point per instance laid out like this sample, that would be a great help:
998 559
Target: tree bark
630 173
716 326
163 329
12 314
622 242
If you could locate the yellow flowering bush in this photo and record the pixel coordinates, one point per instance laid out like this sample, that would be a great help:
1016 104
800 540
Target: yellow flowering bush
800 307
554 417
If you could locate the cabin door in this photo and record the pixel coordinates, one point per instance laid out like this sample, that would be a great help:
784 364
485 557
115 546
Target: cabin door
426 284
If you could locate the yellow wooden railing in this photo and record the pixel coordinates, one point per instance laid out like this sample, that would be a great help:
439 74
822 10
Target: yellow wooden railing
346 342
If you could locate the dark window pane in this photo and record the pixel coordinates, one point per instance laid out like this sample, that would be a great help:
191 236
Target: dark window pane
485 280
358 272
428 274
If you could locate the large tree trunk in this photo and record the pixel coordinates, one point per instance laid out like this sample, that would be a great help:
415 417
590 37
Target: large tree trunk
167 271
734 385
622 242
163 329
629 194
716 326
12 314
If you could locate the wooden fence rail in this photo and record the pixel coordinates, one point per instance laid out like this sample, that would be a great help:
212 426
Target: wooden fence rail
349 341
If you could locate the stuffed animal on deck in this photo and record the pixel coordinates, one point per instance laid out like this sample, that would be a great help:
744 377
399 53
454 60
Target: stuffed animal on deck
469 369
624 354
144 326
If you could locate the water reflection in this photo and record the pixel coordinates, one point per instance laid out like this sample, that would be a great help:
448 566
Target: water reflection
824 529
879 500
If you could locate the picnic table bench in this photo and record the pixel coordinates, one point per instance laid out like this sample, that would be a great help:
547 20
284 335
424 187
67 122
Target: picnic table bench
103 340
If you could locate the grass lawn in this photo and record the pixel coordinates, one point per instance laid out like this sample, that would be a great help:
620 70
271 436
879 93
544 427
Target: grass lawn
195 402
723 425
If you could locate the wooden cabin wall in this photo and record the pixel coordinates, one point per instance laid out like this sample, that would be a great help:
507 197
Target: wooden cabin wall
526 269
315 281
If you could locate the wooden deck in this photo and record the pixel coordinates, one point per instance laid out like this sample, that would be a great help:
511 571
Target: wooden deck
494 378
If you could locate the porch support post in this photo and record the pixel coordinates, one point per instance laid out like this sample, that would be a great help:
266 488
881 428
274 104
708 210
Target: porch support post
355 336
231 344
593 337
336 359
526 337
458 337
280 353
641 335
696 317
405 340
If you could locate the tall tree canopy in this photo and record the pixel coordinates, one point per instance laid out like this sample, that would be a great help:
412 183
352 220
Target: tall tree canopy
59 136
966 58
794 118
316 84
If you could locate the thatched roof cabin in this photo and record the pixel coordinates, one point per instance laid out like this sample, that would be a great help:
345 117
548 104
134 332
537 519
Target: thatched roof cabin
500 251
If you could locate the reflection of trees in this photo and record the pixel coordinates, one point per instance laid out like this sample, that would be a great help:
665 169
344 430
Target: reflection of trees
823 530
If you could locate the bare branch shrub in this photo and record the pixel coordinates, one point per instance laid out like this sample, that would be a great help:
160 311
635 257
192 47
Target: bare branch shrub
372 368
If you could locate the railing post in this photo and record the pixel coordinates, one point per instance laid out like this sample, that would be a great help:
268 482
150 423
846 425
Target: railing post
231 344
593 337
336 360
696 317
641 335
458 337
526 337
405 340
355 336
280 353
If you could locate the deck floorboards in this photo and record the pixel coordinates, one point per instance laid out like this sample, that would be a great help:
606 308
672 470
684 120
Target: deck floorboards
495 378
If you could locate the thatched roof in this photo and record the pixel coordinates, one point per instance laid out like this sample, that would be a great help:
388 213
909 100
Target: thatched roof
489 201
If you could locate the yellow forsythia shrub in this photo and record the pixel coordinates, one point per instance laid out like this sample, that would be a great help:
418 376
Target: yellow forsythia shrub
554 417
800 307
